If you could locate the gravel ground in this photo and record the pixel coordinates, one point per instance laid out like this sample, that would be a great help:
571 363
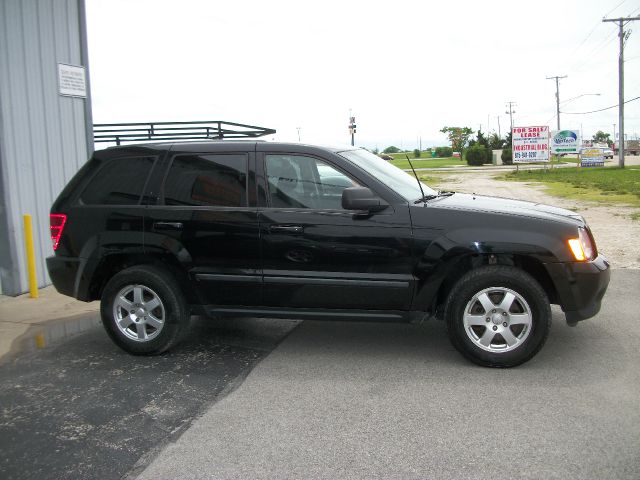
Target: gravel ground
615 232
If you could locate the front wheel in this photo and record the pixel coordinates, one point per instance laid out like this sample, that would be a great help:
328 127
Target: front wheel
498 316
143 310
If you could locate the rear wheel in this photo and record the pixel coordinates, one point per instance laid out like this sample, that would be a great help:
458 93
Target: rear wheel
498 316
143 310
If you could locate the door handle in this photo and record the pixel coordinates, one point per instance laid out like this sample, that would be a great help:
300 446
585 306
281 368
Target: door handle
286 229
167 225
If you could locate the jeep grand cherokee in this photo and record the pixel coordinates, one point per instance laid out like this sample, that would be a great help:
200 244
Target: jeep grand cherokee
160 232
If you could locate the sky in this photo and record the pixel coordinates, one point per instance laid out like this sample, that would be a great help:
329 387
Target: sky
404 69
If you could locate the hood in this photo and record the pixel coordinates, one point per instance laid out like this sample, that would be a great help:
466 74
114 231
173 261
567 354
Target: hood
506 206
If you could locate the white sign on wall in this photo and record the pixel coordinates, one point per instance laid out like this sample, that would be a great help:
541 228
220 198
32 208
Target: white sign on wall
530 144
72 81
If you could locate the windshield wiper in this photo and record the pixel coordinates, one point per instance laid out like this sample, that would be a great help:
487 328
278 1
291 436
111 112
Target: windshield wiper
425 198
441 193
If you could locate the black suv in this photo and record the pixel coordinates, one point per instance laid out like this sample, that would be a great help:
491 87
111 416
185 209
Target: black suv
160 232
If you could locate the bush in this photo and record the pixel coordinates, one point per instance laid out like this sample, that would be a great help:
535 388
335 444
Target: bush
476 155
507 158
444 152
416 153
391 149
489 155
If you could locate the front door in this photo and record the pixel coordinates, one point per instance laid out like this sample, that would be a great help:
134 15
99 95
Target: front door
317 255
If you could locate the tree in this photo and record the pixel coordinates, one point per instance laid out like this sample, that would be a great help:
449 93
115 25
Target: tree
507 156
481 139
601 137
391 149
458 136
495 142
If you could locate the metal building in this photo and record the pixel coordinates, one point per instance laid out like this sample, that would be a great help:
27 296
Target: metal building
45 123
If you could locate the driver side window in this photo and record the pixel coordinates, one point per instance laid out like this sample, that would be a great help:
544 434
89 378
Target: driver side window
296 181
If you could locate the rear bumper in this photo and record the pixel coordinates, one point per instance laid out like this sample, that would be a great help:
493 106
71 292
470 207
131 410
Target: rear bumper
580 287
64 273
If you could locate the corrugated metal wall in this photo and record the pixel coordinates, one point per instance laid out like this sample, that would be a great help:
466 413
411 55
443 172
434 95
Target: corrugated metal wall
43 135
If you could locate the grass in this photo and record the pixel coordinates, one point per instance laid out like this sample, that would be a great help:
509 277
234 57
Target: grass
401 161
604 185
433 180
565 159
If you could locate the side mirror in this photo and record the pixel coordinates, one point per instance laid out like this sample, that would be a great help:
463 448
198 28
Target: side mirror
361 198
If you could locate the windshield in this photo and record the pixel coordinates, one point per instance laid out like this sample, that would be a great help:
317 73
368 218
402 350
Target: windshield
398 180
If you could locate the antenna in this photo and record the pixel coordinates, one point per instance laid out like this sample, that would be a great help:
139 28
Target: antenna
415 175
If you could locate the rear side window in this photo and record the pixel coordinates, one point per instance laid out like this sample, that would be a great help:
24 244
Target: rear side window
207 180
118 182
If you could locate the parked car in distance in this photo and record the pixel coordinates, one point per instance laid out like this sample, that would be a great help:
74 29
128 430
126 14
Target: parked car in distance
608 153
385 156
160 232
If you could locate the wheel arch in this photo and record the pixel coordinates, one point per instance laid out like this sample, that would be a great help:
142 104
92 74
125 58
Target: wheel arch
110 265
464 263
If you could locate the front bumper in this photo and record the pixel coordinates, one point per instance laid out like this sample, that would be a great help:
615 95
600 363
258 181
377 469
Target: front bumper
580 286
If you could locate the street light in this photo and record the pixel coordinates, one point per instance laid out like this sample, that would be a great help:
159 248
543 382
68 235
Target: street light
579 96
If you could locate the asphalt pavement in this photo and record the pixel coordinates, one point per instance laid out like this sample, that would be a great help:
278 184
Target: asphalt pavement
74 406
357 400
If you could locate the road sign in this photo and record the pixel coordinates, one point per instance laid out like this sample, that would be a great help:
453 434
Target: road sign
565 141
530 144
592 157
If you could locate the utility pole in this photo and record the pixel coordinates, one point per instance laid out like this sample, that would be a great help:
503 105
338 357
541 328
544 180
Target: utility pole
557 77
623 36
352 128
298 128
510 112
499 133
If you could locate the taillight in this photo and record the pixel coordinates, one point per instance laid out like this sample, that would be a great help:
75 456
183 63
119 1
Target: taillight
56 223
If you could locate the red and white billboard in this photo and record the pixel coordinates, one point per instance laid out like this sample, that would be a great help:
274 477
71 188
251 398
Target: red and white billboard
530 144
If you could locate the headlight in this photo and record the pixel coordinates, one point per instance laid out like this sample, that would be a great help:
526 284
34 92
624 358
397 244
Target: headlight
583 247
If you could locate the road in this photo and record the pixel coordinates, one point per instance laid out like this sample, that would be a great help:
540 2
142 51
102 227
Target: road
353 400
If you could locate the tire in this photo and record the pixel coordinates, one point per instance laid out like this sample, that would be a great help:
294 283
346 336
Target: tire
497 316
143 310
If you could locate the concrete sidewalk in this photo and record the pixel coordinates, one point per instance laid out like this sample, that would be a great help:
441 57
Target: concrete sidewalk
18 314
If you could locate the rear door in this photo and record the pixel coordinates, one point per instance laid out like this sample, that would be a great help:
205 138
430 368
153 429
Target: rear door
207 222
317 255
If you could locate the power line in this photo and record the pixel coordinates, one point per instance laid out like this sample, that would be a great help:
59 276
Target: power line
588 58
601 110
623 1
594 29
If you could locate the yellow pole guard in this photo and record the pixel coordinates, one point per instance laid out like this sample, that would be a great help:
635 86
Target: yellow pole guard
31 256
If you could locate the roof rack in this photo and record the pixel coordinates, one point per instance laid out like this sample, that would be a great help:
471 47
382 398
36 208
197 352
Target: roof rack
157 131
